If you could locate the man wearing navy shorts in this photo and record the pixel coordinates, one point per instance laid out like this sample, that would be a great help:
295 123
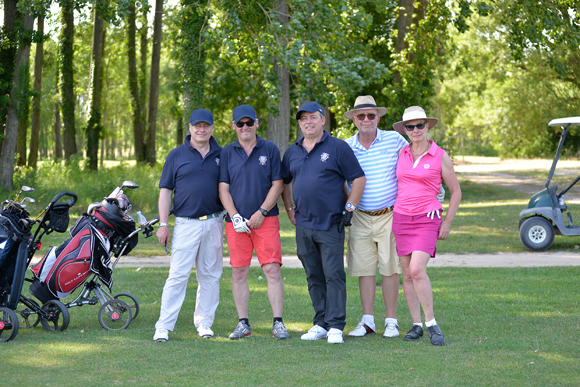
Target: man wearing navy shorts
250 185
318 165
191 175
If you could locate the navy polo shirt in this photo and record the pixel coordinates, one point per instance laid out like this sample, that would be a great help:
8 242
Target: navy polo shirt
194 180
250 177
319 178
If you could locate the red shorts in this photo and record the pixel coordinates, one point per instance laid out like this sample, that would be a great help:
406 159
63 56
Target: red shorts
265 240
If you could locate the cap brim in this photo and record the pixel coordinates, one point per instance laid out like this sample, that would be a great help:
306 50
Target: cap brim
400 126
196 121
381 112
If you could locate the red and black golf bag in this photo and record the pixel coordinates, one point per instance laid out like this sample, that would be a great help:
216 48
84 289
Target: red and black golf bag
66 267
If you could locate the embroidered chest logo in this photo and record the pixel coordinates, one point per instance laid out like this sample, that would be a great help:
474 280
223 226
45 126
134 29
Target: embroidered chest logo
324 156
262 160
217 161
426 166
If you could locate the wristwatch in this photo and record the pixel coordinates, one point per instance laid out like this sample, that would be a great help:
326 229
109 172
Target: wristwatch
163 225
263 211
350 206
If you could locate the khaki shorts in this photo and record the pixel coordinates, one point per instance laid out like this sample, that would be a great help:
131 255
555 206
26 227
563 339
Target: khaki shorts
371 243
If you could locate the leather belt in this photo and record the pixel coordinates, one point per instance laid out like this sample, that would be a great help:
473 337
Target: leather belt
378 212
206 217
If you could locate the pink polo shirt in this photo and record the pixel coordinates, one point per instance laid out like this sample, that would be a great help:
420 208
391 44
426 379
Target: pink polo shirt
419 184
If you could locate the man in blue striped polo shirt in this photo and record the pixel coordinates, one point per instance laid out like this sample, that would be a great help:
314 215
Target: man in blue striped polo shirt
371 242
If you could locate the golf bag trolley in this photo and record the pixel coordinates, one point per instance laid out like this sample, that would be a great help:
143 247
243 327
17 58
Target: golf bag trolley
106 230
17 247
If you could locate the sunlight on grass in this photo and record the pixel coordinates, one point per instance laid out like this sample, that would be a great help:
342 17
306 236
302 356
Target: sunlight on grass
519 297
556 357
494 204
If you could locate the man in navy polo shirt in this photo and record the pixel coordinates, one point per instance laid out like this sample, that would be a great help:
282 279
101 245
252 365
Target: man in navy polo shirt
250 185
318 165
191 176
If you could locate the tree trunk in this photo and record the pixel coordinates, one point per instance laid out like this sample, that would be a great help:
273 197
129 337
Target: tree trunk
279 125
24 115
56 129
193 69
7 54
66 64
94 125
12 118
134 83
154 82
35 131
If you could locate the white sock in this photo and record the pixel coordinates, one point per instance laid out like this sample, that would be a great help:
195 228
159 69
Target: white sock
430 323
419 324
391 320
369 319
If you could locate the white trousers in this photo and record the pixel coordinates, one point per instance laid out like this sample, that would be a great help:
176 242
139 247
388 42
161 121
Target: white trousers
198 242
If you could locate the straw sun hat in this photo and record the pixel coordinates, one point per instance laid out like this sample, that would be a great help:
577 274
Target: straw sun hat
414 113
365 102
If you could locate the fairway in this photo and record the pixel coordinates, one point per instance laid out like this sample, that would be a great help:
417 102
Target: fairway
515 327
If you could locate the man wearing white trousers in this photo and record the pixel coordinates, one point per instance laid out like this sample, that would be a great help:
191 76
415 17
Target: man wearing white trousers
191 175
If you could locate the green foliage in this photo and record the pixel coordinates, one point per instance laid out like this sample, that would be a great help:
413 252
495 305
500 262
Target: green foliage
51 178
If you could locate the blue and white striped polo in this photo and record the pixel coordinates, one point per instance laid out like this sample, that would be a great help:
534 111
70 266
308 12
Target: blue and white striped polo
379 163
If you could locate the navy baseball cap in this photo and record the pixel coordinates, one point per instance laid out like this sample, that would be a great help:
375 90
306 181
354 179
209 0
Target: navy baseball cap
244 111
201 115
309 107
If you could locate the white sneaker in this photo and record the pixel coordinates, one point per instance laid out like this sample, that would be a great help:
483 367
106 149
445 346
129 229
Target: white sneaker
362 329
391 328
160 335
335 336
315 333
204 331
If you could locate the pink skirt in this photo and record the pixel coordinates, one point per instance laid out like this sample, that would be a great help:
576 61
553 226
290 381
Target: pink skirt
416 233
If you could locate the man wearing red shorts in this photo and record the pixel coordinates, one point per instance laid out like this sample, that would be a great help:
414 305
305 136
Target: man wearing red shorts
250 184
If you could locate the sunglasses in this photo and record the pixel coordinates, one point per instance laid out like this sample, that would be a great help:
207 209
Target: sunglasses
249 123
420 126
361 117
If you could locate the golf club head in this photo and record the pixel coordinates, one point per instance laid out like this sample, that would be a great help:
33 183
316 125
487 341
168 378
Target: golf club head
27 199
26 188
129 184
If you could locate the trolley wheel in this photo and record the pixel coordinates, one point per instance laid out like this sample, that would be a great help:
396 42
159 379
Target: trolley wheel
130 300
55 317
28 318
115 315
537 233
8 324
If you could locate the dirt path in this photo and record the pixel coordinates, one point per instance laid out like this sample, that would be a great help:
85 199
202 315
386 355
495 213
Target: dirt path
491 170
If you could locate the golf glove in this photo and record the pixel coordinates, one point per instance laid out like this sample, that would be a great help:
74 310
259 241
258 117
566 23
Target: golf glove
432 214
240 223
345 220
441 195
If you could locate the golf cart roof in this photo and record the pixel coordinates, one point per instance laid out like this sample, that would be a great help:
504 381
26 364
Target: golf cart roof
573 121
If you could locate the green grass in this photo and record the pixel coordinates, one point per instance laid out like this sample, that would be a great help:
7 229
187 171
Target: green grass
503 326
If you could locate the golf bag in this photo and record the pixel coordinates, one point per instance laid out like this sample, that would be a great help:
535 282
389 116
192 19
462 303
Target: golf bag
14 237
66 267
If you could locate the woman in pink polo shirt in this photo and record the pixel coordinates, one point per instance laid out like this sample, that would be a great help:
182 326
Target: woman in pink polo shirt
417 222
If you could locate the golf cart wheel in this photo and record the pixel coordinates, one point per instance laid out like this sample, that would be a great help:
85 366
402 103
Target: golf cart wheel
55 317
28 318
537 233
115 315
130 300
8 324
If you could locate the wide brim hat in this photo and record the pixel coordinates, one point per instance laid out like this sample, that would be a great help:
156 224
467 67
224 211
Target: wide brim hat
414 113
365 102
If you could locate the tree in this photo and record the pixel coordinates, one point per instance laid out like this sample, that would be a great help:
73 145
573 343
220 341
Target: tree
17 95
279 124
193 56
35 131
154 82
7 54
135 85
94 125
67 81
